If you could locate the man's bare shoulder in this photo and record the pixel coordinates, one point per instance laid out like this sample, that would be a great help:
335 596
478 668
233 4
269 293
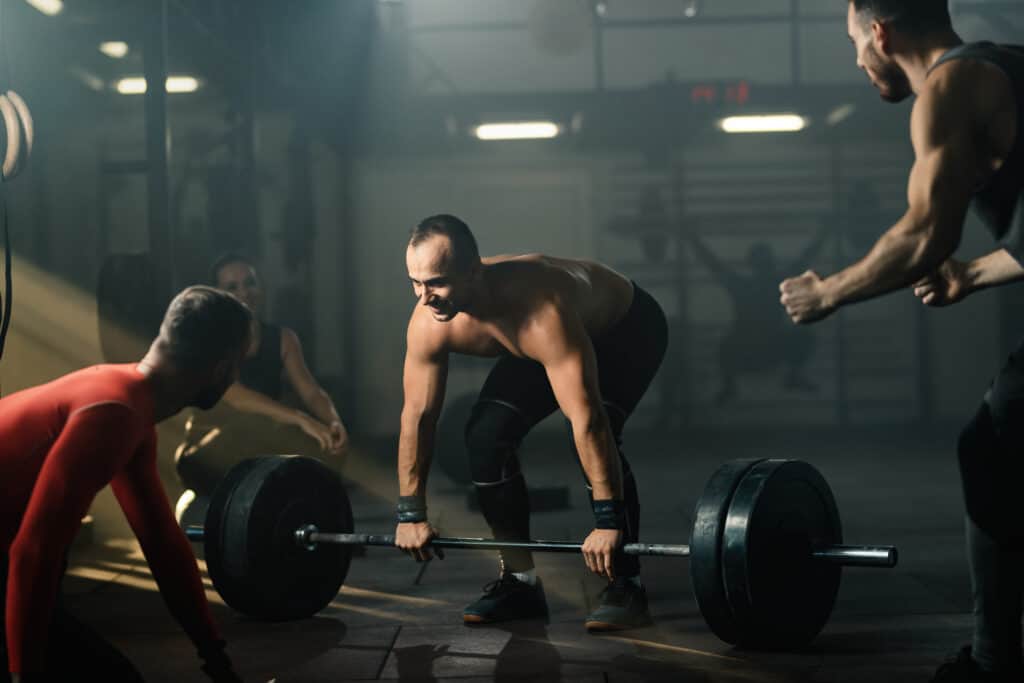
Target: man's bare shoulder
426 337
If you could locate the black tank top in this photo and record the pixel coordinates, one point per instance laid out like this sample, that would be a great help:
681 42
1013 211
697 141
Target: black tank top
262 372
996 202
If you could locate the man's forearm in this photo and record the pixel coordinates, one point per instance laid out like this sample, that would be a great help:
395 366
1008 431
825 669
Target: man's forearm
599 459
414 454
902 256
992 270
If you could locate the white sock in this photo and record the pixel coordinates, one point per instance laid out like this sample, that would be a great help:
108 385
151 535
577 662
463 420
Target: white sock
529 577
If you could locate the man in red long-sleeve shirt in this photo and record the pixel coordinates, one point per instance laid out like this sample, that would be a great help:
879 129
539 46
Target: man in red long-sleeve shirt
61 442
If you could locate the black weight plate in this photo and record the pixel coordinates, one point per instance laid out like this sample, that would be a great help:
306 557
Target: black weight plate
706 548
780 596
259 569
213 534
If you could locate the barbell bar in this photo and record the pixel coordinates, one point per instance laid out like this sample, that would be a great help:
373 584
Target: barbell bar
309 537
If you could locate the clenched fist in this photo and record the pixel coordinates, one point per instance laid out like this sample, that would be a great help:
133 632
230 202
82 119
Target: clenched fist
804 298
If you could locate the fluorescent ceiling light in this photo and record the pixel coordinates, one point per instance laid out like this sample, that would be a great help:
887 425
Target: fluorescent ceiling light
517 130
115 49
767 123
840 114
47 7
182 84
136 85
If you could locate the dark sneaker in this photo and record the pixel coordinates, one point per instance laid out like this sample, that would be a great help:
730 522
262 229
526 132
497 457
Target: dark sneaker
623 604
963 669
507 598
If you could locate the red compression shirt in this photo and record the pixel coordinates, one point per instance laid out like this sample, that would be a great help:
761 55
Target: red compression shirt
60 443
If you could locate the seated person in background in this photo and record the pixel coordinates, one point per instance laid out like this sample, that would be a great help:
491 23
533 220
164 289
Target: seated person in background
61 442
238 431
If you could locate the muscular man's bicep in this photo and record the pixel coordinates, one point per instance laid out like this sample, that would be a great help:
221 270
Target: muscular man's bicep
948 161
424 374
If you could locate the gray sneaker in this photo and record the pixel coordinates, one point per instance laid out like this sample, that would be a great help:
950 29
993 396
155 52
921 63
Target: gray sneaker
507 598
623 605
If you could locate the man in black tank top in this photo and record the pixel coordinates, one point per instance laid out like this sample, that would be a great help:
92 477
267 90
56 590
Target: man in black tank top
967 128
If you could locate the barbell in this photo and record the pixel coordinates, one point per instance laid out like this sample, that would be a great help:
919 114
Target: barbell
765 551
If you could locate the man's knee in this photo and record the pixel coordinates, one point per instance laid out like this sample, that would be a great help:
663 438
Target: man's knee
493 433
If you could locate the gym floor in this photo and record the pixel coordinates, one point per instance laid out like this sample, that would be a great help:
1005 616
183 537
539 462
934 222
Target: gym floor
395 619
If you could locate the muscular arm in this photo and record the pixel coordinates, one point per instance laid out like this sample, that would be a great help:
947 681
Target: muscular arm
423 384
94 444
559 341
945 173
145 505
313 396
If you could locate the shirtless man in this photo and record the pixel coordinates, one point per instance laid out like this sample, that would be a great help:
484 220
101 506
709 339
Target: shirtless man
61 442
967 129
568 334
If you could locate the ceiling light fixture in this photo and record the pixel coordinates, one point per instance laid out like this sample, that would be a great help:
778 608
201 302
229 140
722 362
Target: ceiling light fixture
517 130
765 123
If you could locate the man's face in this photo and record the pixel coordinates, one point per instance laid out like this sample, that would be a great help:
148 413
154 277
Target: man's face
883 72
435 281
240 279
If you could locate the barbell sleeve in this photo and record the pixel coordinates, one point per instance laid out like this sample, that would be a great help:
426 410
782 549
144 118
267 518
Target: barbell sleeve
885 556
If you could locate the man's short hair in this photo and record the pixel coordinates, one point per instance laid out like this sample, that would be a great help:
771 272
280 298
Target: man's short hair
227 259
465 252
203 326
917 17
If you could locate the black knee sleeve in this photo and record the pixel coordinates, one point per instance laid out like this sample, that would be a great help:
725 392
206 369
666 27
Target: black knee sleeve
990 470
493 434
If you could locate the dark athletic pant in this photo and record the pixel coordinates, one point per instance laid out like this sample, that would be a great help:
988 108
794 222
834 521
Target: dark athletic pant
75 652
991 454
517 395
